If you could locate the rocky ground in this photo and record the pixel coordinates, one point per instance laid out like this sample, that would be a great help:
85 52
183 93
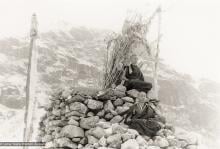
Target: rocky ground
79 119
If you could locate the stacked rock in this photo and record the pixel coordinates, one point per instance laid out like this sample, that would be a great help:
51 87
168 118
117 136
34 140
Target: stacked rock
75 119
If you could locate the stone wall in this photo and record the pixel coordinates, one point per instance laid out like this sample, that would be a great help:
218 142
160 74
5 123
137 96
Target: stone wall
79 119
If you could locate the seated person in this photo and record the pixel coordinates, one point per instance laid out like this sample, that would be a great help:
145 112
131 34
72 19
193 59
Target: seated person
144 116
133 77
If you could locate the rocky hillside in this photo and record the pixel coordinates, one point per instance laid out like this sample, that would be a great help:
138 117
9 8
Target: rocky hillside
74 57
76 119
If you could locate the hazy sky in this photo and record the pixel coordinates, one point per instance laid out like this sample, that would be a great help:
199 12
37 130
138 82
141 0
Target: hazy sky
190 28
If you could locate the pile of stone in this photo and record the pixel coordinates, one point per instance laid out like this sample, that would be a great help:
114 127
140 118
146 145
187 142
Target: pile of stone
75 119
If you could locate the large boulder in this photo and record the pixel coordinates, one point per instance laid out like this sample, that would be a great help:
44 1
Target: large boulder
72 131
90 122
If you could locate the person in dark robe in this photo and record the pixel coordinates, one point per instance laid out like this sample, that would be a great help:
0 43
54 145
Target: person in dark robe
144 117
133 77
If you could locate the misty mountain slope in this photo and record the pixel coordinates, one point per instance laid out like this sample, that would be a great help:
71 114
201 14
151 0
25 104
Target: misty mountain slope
75 57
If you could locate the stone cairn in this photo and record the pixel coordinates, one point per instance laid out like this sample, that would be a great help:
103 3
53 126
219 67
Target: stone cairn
77 119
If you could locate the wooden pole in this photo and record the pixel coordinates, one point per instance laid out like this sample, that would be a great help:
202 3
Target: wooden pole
31 82
156 87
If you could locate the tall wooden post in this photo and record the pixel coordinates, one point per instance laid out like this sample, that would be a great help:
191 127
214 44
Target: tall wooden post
156 86
31 82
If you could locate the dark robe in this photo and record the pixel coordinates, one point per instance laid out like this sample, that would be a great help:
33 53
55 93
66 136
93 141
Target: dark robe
136 79
144 119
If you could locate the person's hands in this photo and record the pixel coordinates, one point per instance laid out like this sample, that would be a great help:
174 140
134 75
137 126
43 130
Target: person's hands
119 66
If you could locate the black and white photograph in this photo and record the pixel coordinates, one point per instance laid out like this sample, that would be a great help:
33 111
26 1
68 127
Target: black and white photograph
109 74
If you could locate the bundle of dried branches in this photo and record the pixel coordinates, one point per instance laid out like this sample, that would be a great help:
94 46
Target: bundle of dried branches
119 46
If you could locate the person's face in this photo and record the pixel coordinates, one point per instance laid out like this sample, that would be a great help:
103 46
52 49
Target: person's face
134 59
142 97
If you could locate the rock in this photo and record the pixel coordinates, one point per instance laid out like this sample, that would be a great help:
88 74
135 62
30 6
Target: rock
83 141
192 147
128 99
153 147
114 141
103 125
120 109
108 106
101 113
116 128
73 122
49 144
72 131
147 138
80 146
118 102
92 140
128 104
62 104
114 113
103 142
172 141
65 142
108 131
94 104
56 123
88 123
119 93
67 109
74 113
74 117
141 141
66 93
167 132
170 127
130 144
76 98
120 88
126 136
56 112
133 132
98 132
161 142
133 93
190 137
76 140
79 107
47 138
116 119
89 114
109 116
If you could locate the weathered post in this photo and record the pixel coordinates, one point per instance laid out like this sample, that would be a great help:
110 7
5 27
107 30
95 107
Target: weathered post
31 82
156 87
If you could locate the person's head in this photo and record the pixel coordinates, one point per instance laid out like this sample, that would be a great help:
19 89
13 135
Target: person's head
134 59
142 97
